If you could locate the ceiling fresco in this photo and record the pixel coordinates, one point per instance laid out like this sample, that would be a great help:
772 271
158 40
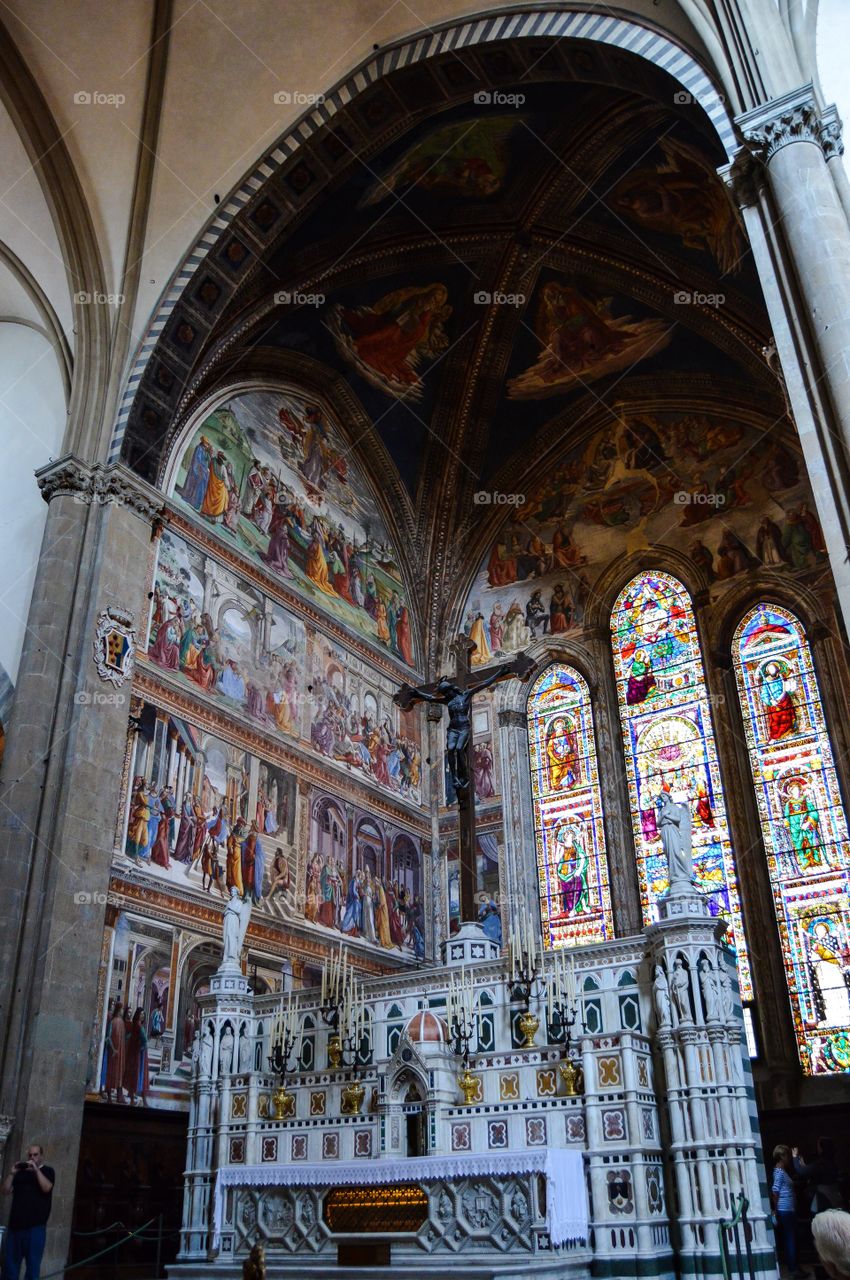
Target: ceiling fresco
480 269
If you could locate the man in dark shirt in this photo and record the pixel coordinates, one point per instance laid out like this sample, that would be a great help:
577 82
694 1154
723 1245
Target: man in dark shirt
30 1184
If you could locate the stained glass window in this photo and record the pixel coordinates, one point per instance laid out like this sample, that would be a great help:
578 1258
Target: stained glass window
804 828
572 867
669 747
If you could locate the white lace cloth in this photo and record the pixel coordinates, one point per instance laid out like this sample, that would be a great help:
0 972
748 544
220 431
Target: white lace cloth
566 1193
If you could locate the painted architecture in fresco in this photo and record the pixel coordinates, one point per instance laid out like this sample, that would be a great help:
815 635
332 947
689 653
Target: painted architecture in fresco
269 473
204 816
218 634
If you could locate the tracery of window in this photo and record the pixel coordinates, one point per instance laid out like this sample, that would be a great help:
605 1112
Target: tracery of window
669 746
804 828
572 865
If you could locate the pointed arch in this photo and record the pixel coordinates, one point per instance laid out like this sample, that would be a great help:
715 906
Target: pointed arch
572 862
804 827
669 745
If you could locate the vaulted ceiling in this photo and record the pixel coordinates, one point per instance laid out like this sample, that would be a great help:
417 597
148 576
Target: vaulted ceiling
483 260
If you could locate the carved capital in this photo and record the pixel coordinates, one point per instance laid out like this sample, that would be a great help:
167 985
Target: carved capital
99 485
67 478
511 716
795 117
745 178
831 138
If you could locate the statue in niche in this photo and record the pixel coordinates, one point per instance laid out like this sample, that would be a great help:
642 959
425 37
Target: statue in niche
207 1046
245 1054
727 1003
225 1051
674 827
661 997
710 986
196 1053
679 984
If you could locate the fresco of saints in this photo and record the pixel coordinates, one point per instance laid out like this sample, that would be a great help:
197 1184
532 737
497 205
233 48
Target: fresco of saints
467 158
388 340
316 566
802 822
829 963
775 689
581 340
561 755
683 196
194 487
217 496
571 868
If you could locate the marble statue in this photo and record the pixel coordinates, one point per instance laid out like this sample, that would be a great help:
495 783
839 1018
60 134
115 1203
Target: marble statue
245 1054
196 1053
679 984
207 1046
727 1003
237 914
225 1051
661 996
674 827
710 986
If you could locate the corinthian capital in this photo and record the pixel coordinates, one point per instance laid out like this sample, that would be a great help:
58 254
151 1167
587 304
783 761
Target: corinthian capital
795 117
98 485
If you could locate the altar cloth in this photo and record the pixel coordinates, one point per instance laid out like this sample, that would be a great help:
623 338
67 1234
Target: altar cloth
566 1191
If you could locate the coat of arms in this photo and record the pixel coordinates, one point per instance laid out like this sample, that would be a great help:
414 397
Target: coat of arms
114 645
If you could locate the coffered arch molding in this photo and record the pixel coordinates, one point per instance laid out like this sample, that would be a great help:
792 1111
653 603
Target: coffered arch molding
649 42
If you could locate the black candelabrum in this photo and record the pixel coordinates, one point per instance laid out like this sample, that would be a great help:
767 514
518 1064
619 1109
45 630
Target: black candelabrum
462 1016
525 959
283 1039
562 1009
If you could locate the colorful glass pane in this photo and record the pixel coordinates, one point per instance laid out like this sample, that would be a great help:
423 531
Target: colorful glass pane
669 746
804 828
572 867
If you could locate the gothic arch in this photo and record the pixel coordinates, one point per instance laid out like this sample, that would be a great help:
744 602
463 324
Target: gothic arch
660 49
620 572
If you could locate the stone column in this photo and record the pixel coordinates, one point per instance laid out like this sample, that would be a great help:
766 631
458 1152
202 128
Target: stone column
61 785
521 889
800 238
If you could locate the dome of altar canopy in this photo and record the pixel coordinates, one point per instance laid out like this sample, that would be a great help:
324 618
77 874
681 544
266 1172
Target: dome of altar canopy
425 1027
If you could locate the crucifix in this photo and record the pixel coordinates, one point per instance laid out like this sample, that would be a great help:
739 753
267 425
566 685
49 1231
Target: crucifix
456 693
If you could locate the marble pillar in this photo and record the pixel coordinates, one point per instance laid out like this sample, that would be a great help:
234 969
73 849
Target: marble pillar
61 783
799 233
